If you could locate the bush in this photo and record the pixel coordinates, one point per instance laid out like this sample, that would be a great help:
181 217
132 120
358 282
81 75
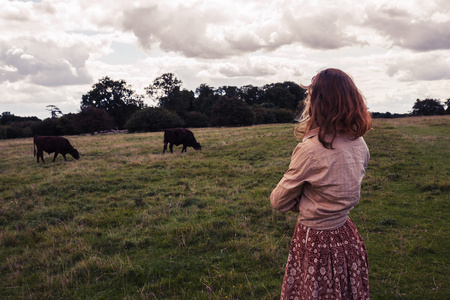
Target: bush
19 129
92 119
9 132
66 124
283 115
195 119
46 127
231 112
263 115
153 119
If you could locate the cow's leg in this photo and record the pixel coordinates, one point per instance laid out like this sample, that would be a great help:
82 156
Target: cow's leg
41 154
165 147
184 149
64 156
171 147
54 157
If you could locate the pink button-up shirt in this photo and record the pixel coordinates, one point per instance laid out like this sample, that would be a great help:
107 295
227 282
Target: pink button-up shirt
322 184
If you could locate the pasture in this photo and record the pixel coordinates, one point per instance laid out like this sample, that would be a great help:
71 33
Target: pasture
126 222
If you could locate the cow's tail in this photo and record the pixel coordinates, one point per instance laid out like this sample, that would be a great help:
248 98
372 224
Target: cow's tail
34 146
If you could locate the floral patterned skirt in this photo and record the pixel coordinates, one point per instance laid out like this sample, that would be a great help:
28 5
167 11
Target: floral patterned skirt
326 264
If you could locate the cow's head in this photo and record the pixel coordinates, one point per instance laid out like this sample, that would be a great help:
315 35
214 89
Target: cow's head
75 154
197 146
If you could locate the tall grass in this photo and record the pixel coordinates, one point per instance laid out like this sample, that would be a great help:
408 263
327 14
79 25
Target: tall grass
126 222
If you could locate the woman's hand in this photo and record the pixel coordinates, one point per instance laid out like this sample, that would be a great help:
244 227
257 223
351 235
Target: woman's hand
296 207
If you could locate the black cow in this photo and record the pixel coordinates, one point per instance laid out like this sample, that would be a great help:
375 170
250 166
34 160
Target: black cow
177 136
52 144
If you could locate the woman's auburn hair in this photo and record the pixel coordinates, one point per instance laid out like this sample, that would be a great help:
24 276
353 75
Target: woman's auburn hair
334 104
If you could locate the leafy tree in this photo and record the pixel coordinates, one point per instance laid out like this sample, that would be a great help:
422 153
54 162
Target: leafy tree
162 88
283 95
228 91
178 101
206 97
296 90
252 95
114 96
153 119
231 112
280 97
428 107
447 103
54 111
204 90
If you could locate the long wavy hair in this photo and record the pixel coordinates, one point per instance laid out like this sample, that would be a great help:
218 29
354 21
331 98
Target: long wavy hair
335 105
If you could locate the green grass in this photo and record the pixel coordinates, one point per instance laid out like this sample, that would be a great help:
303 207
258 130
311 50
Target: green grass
126 222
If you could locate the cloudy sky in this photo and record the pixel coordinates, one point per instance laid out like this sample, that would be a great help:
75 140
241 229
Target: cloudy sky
53 51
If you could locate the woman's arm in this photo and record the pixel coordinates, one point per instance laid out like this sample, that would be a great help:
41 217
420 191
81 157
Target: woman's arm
286 196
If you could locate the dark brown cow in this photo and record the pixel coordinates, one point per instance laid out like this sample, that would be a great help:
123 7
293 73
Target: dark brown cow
52 144
178 136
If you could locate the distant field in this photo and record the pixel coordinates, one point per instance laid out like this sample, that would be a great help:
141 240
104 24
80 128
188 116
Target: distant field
126 222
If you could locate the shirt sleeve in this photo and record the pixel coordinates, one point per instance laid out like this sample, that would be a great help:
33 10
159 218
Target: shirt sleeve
286 196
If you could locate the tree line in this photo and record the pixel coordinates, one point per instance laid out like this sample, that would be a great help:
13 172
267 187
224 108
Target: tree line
113 104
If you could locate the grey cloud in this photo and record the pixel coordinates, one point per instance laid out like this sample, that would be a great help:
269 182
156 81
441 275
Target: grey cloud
43 62
427 67
243 42
60 72
183 31
16 16
405 30
211 34
144 24
322 31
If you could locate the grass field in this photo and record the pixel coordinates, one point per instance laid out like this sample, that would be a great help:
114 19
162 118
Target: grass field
126 222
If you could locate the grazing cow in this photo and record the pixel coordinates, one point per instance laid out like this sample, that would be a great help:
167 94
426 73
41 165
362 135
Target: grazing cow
177 136
52 144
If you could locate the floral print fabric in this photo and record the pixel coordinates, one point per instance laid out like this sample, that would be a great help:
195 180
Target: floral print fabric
326 264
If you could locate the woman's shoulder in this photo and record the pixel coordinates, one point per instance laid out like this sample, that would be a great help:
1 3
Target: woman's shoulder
309 145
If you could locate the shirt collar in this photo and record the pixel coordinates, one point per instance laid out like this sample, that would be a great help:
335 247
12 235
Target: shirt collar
311 133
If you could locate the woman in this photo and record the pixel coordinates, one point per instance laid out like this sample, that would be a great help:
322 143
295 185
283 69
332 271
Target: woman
327 257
